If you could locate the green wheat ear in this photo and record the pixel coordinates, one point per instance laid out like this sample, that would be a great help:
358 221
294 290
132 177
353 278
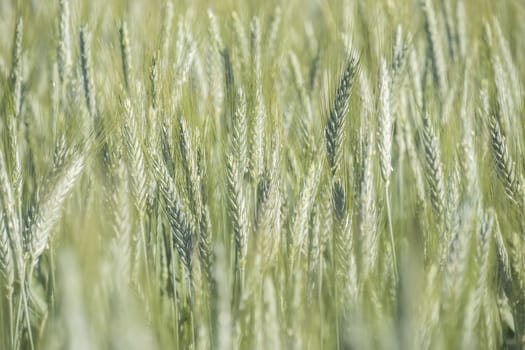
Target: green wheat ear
335 128
238 200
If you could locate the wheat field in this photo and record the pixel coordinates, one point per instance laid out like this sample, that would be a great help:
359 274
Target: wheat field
299 174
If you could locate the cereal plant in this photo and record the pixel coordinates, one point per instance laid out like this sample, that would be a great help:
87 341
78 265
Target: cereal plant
232 174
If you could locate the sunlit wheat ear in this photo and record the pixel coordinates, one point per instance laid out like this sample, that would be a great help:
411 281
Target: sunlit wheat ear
386 123
304 206
240 133
165 34
237 211
335 128
189 165
181 229
121 218
7 262
64 42
15 78
368 225
461 28
125 53
258 111
154 81
51 202
87 75
205 246
241 41
505 166
229 82
433 168
10 231
215 78
135 159
435 46
345 265
399 54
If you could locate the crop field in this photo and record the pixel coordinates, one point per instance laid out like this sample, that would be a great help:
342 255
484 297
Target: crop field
228 174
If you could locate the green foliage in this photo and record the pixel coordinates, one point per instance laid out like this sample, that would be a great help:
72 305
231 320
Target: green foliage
262 175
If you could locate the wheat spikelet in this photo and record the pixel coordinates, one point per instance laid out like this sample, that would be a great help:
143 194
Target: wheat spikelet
7 264
433 168
154 81
125 54
468 153
85 62
386 122
215 79
240 131
229 82
259 110
268 216
504 164
335 128
52 199
121 218
435 46
189 166
344 259
15 78
399 54
205 250
135 160
180 226
165 34
238 211
64 42
304 206
241 41
368 226
10 227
